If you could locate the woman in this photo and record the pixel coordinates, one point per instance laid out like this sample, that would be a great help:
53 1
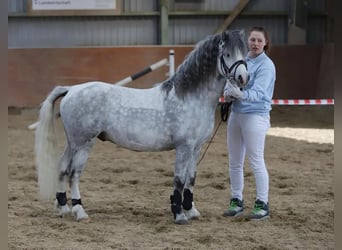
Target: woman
248 123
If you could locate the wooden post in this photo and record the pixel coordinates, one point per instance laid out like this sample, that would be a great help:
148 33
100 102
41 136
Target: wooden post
330 20
164 22
236 11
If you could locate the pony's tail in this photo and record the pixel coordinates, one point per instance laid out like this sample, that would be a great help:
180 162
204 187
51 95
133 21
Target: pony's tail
46 145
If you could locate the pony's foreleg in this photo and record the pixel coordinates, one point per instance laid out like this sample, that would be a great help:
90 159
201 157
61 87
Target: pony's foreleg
190 210
188 202
183 153
176 207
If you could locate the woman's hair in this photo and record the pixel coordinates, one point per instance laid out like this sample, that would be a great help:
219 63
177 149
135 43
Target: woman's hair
267 47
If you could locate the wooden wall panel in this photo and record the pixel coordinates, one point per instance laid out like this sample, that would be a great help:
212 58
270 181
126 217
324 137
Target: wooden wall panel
302 71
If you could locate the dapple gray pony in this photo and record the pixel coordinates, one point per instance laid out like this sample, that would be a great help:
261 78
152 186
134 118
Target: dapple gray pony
176 114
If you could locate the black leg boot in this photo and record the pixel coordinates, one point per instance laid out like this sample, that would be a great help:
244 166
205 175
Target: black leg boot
188 199
176 208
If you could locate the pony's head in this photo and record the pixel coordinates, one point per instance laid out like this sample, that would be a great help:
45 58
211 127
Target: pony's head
231 59
218 56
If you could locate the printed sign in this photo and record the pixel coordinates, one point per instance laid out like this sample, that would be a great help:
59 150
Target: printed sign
73 7
73 4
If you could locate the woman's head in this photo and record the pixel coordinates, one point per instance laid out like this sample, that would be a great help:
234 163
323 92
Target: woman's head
258 41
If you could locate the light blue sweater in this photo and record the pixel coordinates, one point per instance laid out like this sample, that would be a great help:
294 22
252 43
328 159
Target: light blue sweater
258 93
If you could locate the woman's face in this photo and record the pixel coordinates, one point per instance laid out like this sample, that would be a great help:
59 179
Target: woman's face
256 43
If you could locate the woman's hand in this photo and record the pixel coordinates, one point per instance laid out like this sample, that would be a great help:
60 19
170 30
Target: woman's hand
232 91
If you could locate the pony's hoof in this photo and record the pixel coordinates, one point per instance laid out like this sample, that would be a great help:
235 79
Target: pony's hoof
79 213
193 213
61 210
181 219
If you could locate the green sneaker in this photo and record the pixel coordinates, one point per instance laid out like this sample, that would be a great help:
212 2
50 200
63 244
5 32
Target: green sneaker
260 211
235 208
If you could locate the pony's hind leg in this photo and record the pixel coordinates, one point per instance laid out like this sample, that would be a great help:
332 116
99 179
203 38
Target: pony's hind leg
80 157
61 205
77 206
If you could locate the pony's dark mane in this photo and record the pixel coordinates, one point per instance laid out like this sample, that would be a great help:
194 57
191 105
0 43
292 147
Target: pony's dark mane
199 67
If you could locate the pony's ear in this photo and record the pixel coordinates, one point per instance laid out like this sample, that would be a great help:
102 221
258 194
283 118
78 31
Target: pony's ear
224 35
242 33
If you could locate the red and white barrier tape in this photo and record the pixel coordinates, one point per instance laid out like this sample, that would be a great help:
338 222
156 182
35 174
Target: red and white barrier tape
303 101
297 101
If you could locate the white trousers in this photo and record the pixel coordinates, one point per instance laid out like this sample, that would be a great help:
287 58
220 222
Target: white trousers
246 134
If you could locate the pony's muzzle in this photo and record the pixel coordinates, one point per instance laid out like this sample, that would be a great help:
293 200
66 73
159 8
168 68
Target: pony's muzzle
242 81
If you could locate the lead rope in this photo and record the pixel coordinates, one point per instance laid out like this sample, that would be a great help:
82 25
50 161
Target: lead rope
224 115
211 140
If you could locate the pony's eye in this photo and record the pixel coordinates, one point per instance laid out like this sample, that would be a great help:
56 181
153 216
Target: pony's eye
227 55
